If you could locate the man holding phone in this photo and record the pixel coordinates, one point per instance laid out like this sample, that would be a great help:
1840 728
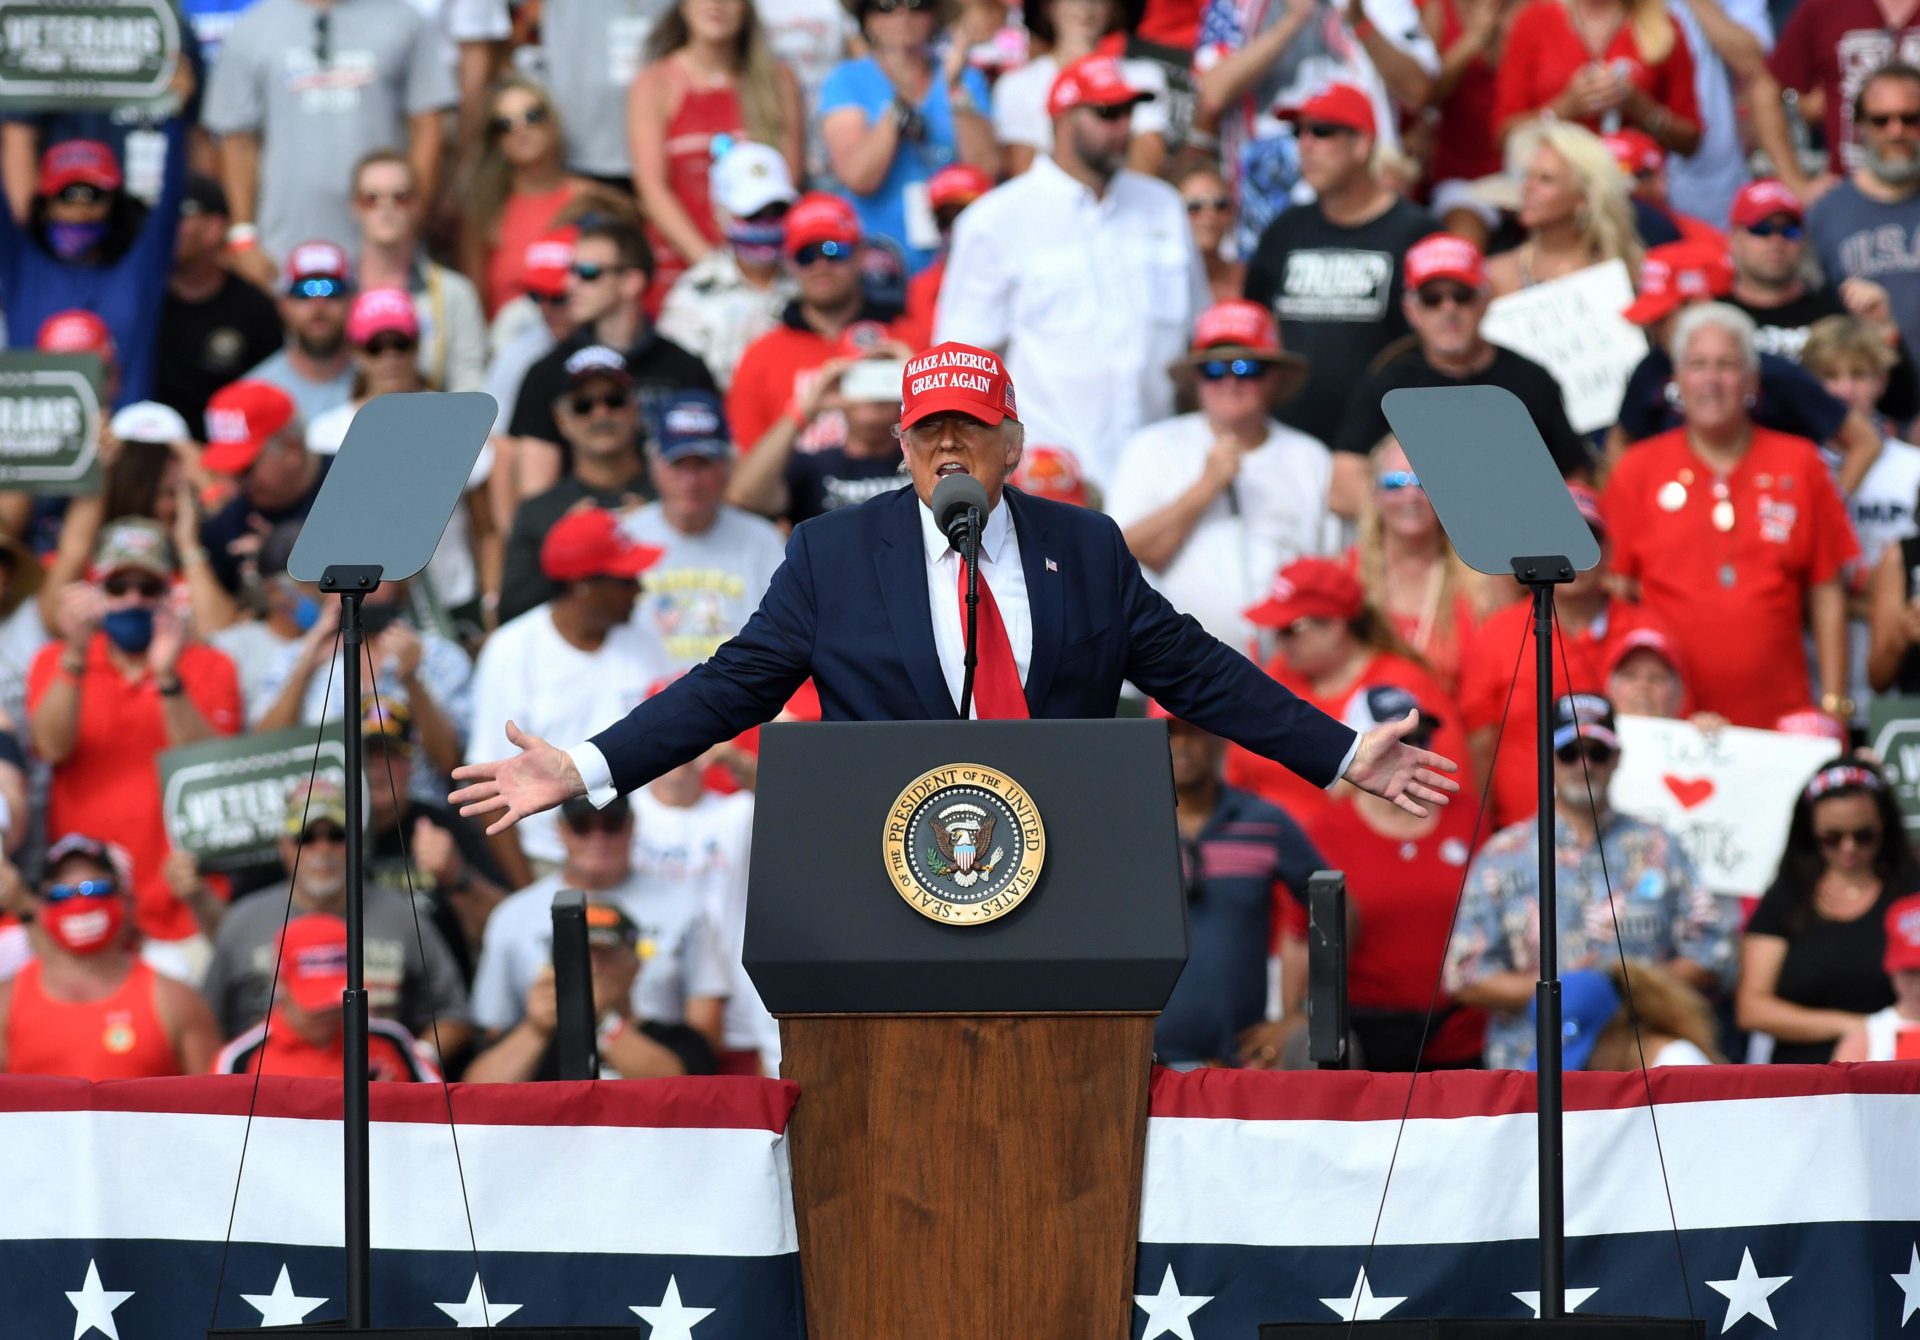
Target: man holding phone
862 383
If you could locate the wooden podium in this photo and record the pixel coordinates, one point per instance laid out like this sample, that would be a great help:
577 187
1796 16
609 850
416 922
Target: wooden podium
968 1144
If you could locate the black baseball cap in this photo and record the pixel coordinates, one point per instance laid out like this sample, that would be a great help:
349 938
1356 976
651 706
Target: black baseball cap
1583 716
203 195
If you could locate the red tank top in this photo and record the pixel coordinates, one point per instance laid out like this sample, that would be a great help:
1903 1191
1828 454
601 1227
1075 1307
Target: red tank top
702 114
1464 147
120 1037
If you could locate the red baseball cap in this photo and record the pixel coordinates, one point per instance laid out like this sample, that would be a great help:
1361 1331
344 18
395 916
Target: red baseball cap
1051 472
1675 273
1336 105
320 264
1093 81
75 332
382 311
1238 324
861 339
1903 935
1763 199
241 419
1445 256
85 161
1635 151
1812 722
313 961
1587 503
820 216
547 261
957 184
1646 639
587 543
1310 588
961 378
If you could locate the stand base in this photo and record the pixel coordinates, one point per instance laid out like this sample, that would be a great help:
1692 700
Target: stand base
1474 1328
336 1328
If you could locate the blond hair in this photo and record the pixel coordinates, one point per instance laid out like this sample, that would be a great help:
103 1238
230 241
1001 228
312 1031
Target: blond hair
1836 342
1605 216
756 80
1666 1007
1456 578
492 179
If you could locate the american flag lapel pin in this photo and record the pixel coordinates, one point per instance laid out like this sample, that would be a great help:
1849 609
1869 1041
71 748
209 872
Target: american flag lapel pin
1052 566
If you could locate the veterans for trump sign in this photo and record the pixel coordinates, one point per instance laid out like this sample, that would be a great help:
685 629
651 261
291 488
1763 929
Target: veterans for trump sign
87 53
225 800
1572 326
50 422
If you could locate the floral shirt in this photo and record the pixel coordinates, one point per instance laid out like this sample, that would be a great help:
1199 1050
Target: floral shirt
1663 910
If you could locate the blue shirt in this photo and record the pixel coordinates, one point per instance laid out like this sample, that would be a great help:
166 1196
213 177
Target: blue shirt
859 83
1248 850
1790 400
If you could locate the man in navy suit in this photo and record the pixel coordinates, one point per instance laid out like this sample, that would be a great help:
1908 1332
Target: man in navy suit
868 603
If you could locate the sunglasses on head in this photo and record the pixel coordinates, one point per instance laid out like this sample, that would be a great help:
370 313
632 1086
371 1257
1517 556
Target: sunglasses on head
80 193
86 888
1792 232
389 342
132 584
1240 369
503 124
324 833
1395 480
1881 120
1212 204
815 252
1835 838
1594 752
402 197
317 288
1325 130
611 401
1435 296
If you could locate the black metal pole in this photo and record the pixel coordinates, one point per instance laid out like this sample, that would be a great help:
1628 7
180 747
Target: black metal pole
356 1112
1553 1227
971 557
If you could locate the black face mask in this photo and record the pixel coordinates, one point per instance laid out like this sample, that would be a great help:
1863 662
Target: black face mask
376 619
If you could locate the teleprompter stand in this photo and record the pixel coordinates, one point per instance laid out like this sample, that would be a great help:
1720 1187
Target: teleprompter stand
380 513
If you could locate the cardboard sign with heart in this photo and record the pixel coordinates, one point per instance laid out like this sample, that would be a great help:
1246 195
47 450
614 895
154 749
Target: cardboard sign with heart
1689 791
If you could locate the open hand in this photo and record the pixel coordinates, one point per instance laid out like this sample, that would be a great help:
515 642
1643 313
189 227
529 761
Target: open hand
1387 766
539 777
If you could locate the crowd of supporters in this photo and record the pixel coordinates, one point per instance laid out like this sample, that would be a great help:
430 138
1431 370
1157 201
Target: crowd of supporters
687 244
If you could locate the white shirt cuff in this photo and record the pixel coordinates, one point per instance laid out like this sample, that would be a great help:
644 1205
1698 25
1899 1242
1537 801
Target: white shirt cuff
1345 763
598 776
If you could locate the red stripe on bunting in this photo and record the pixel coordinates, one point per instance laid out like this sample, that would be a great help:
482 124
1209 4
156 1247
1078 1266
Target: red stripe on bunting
1358 1095
723 1103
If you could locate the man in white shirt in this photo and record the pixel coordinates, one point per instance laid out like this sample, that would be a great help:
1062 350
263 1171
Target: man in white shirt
1214 503
568 664
1082 273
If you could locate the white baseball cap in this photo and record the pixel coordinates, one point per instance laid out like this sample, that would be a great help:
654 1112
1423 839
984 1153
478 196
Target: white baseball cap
746 177
149 421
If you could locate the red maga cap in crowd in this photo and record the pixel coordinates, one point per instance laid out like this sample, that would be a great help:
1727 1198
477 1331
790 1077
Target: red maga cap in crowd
83 161
547 261
313 961
1903 935
960 378
1812 722
1051 472
1646 639
1336 105
74 332
1635 151
1445 256
820 216
1310 588
1239 324
241 419
318 260
382 311
1675 273
1587 503
1093 81
957 184
1761 200
587 543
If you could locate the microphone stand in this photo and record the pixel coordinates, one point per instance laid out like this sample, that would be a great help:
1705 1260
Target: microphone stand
970 556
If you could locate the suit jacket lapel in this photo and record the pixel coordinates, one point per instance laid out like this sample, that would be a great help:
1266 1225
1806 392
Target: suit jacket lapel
900 563
1043 597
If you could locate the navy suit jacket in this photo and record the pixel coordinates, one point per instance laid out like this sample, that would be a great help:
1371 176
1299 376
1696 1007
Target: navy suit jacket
849 607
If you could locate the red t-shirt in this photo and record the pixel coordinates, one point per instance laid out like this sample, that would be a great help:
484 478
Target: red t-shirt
524 220
120 1037
1833 45
1490 669
109 786
1543 53
1403 891
1302 799
1171 23
1464 145
776 370
392 1053
1734 600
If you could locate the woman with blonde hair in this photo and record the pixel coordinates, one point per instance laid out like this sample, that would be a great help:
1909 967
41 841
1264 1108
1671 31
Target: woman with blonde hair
1574 206
1606 64
1675 1022
1409 571
711 73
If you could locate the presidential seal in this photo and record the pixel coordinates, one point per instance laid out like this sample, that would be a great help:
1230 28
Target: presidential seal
964 844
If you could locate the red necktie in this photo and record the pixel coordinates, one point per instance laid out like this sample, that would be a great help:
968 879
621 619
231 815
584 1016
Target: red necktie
997 694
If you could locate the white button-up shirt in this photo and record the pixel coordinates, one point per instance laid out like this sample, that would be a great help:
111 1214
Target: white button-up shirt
999 568
1089 300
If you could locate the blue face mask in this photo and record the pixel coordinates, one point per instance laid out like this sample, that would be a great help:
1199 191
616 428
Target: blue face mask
756 243
306 613
131 630
71 241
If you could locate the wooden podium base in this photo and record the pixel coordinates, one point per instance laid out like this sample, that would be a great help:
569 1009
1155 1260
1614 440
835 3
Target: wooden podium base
948 1168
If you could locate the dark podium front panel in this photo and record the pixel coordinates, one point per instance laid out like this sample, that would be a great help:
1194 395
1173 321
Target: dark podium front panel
1104 928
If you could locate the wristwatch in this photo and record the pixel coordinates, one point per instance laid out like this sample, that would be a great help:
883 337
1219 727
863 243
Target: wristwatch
170 687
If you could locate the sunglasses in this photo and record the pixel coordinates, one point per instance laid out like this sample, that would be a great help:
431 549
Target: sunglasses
1240 369
390 343
1395 480
611 401
527 120
86 888
370 199
1296 628
126 584
815 252
1213 204
586 271
317 288
1835 838
548 299
1325 130
80 193
890 6
1595 753
1435 296
324 833
608 825
1881 120
1792 232
1110 114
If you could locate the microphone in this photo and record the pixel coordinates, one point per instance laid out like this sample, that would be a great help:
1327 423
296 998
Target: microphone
953 497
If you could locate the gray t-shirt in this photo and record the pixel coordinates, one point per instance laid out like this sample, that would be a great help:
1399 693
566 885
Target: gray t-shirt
1854 236
321 86
704 587
400 982
312 399
594 48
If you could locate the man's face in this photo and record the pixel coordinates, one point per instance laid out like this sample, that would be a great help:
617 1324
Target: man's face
954 443
609 600
322 857
133 588
598 417
1331 156
200 235
384 205
319 325
278 474
1099 136
386 755
1196 754
1644 685
1445 314
599 847
316 1028
1889 130
1770 252
691 489
828 274
1235 398
1713 378
79 202
597 283
1582 772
